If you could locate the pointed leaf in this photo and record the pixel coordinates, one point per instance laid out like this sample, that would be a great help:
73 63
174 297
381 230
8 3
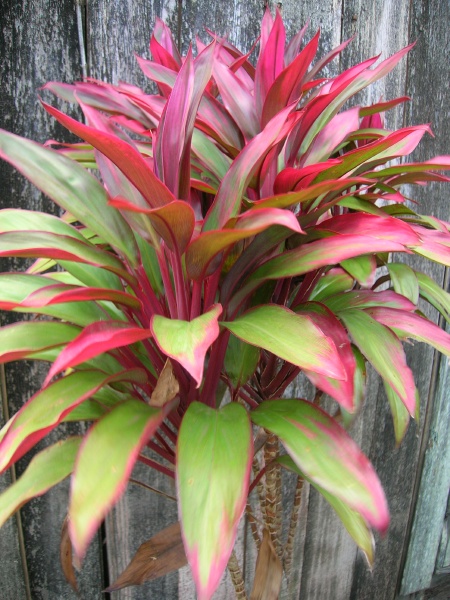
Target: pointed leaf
97 485
294 338
45 470
405 281
187 341
241 361
95 339
213 476
15 288
71 187
160 555
327 455
351 519
399 412
62 293
174 222
434 294
209 244
410 325
36 244
46 409
228 200
384 350
268 571
324 319
21 340
123 155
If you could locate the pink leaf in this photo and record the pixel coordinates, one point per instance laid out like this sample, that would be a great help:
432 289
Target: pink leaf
124 156
94 340
341 390
207 245
410 325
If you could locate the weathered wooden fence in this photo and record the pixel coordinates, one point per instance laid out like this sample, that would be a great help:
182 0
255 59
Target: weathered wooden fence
41 41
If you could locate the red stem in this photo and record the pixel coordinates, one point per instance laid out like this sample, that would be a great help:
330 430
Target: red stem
156 465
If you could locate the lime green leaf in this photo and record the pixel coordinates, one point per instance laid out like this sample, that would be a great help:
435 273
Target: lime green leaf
351 519
241 361
187 341
384 350
399 412
115 441
214 456
292 337
46 409
71 187
46 469
362 268
21 340
434 294
326 454
405 281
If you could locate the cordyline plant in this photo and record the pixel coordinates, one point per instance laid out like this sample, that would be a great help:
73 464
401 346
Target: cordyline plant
238 234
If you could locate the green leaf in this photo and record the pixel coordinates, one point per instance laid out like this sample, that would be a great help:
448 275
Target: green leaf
23 339
326 454
187 341
334 282
214 456
16 287
292 337
405 281
400 414
46 409
351 519
434 294
45 470
71 187
115 441
241 361
384 350
362 268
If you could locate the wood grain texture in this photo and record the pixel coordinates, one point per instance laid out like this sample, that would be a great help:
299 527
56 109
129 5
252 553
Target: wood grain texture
40 43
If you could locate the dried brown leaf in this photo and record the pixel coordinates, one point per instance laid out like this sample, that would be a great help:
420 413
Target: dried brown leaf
66 556
268 572
167 387
161 554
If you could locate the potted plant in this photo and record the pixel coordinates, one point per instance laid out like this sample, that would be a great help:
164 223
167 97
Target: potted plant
239 235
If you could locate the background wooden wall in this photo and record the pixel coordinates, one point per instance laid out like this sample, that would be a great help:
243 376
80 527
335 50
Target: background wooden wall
40 41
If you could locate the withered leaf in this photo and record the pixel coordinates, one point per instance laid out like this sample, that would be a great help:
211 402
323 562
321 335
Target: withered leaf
66 555
268 572
161 554
167 387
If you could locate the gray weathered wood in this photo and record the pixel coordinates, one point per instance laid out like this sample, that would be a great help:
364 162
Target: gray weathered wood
431 507
40 43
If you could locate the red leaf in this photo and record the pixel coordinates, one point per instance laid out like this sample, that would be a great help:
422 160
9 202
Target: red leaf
174 222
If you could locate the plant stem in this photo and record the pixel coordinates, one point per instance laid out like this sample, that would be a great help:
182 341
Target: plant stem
273 492
253 523
237 577
289 548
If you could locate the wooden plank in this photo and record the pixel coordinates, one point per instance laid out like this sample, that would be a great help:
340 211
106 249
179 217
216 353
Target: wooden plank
13 575
399 470
40 44
431 507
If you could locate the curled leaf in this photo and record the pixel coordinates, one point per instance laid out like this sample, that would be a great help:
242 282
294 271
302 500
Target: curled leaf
161 554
